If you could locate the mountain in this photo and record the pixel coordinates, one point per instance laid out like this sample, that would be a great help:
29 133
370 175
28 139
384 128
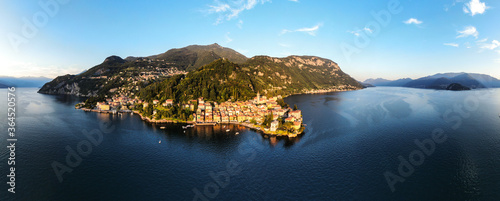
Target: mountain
3 86
195 69
23 81
138 71
486 80
442 81
194 56
223 80
377 82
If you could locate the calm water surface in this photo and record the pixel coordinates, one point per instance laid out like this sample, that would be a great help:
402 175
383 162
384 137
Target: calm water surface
351 140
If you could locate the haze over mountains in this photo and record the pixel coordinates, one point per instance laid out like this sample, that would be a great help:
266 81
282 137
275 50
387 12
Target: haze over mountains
6 81
199 66
441 81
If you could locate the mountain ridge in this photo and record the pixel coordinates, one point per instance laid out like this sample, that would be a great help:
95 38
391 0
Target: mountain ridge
288 75
441 81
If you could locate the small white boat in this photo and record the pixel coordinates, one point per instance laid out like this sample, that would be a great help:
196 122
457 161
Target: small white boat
159 142
228 130
163 127
237 133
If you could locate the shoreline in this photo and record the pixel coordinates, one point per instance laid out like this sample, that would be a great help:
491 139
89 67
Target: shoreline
250 126
247 125
147 119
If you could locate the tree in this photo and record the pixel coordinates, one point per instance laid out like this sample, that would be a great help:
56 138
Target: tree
267 120
204 93
294 106
282 103
213 95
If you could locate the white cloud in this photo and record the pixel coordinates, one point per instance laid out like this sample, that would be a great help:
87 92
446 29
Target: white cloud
219 8
229 10
468 31
309 30
451 44
284 45
493 45
475 7
294 0
228 39
413 21
358 32
240 24
482 40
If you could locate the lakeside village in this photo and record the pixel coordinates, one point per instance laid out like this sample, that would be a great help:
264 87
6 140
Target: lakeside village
269 115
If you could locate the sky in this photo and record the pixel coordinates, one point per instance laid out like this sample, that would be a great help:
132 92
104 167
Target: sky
388 39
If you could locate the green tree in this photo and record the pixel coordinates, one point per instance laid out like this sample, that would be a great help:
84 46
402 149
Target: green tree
294 107
204 93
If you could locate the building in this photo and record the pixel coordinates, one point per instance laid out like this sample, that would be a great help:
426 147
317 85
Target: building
274 126
296 125
169 102
297 114
290 119
103 106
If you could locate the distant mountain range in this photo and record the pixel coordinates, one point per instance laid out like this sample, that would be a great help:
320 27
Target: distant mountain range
200 71
22 81
441 81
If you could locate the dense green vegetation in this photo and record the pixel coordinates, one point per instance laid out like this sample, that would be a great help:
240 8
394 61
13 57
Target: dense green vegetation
219 81
223 80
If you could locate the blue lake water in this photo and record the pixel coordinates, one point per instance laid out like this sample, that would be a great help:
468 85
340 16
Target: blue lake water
352 139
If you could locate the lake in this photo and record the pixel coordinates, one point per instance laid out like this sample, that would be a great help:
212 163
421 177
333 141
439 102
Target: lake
372 144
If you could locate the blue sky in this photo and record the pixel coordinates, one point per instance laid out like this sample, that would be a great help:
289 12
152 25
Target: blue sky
369 39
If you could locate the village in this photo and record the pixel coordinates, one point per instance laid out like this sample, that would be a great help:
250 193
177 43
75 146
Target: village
260 113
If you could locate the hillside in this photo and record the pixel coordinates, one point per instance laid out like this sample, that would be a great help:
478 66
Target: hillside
217 81
134 73
223 80
210 71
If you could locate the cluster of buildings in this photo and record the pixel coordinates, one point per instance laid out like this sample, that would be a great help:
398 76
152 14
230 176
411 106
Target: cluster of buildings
116 103
252 112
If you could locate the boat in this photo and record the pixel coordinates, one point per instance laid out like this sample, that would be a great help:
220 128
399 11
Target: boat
237 133
159 142
163 127
187 126
228 130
